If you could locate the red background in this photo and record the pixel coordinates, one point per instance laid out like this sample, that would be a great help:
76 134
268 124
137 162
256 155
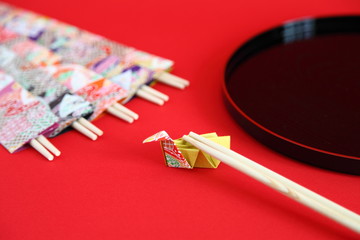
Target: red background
119 188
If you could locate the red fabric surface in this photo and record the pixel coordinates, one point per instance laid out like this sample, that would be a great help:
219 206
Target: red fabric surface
119 188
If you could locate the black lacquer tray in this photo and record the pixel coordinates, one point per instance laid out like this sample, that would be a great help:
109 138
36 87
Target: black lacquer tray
296 88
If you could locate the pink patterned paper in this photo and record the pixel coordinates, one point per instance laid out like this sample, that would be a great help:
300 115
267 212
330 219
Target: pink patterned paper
29 50
22 116
77 46
93 87
66 106
80 45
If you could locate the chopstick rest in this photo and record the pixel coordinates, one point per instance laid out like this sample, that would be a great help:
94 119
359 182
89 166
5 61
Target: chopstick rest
180 154
285 186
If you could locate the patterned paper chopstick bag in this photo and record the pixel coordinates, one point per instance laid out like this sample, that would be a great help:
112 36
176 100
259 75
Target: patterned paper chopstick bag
94 88
22 116
97 53
89 53
86 52
54 33
66 106
82 48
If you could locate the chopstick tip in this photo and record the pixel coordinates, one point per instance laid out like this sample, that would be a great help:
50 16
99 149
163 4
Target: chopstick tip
185 137
90 126
191 133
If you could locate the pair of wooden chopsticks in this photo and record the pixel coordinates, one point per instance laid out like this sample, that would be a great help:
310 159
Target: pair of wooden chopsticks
44 147
118 110
87 128
285 186
48 150
171 80
152 95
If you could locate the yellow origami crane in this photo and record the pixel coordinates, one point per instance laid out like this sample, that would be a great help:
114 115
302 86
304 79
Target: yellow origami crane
181 154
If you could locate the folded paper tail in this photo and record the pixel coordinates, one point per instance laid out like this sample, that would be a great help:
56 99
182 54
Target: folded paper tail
162 135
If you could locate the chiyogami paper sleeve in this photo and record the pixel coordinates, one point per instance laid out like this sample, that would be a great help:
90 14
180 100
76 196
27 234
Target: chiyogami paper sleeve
22 116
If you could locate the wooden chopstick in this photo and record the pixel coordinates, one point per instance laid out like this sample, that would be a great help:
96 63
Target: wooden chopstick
79 127
120 111
155 92
46 148
287 187
171 80
90 126
156 96
41 149
119 114
273 175
125 110
48 145
149 97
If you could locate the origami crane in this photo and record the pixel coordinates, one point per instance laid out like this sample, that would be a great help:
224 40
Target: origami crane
181 154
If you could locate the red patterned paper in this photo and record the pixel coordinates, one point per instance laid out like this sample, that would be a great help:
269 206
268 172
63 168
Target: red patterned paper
173 156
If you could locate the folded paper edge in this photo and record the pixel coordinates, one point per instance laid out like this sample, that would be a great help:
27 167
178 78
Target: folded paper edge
169 150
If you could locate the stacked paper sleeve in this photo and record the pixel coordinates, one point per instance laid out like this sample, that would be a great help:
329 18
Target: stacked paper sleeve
180 154
93 87
68 73
65 105
22 116
96 89
77 46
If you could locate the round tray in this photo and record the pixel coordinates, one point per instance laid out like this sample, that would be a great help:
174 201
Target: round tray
296 88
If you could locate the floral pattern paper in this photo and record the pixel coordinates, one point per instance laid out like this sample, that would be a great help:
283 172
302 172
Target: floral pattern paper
94 88
22 116
65 105
77 46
